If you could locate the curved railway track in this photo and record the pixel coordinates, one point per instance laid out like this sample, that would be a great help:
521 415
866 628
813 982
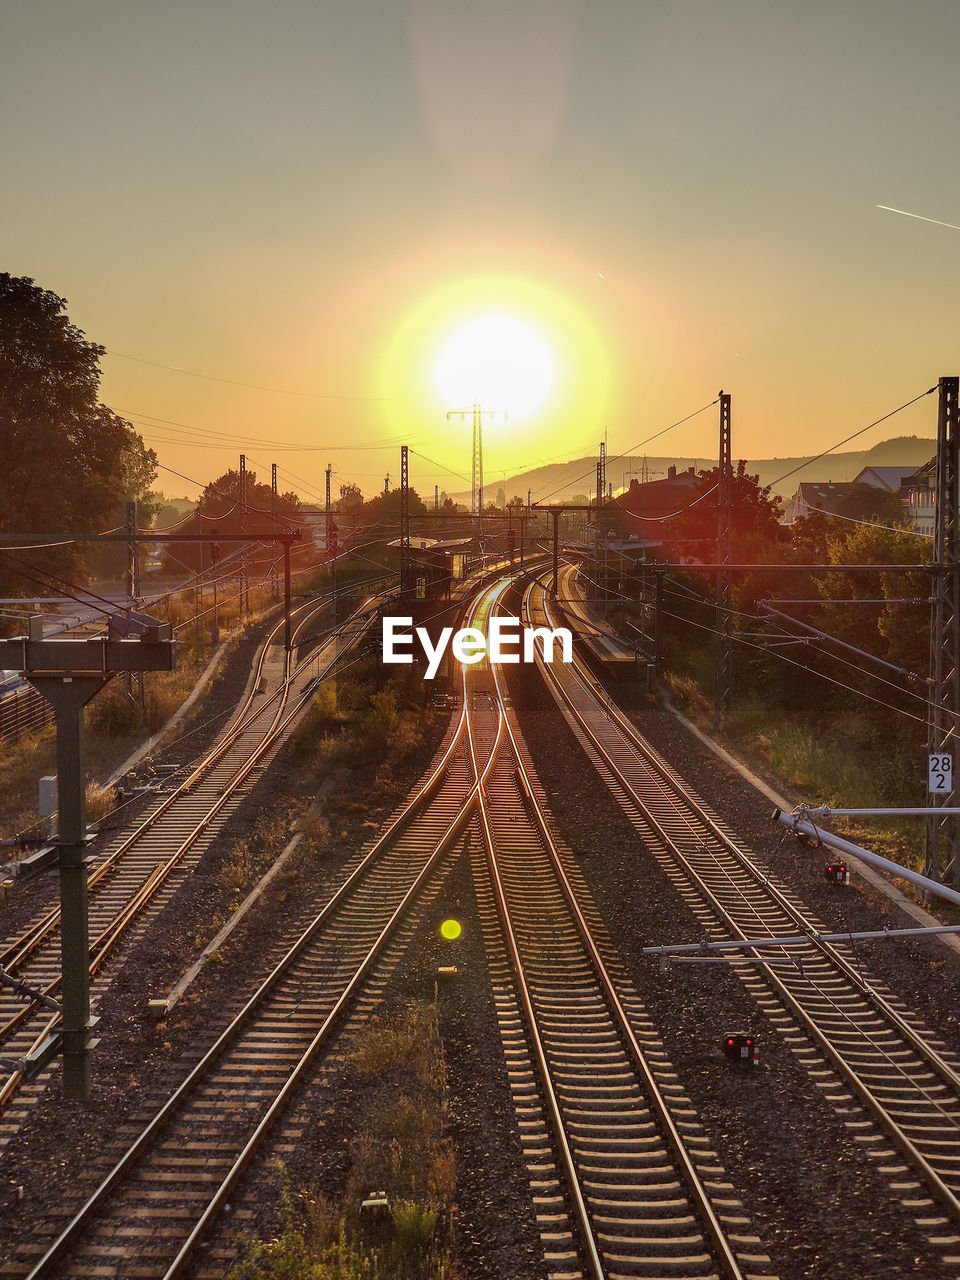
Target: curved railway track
164 1195
895 1084
646 1194
137 876
625 1182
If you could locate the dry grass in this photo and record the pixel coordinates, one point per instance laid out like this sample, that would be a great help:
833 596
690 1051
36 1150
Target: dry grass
400 1147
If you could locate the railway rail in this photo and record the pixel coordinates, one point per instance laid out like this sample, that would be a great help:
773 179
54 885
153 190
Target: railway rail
139 873
645 1192
894 1083
163 1197
624 1178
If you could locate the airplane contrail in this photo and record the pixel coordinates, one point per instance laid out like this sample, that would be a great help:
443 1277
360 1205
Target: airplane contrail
952 225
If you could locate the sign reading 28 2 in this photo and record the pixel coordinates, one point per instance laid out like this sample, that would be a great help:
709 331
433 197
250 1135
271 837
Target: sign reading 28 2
940 775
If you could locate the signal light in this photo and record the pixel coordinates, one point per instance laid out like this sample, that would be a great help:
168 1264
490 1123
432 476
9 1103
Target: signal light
837 873
741 1047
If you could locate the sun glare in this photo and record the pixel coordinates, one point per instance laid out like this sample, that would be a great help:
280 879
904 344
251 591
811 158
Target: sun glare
498 361
509 344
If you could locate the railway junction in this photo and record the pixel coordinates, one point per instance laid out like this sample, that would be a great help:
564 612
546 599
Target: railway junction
600 1123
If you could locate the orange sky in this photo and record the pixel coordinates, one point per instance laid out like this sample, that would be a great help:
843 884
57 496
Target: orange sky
674 197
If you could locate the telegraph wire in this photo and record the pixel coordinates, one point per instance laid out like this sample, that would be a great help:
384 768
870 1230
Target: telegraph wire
251 386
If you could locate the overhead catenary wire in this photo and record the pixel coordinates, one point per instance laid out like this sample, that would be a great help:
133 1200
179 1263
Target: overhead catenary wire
250 386
633 448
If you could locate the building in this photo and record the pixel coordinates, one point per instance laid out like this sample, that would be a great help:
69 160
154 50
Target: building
918 492
824 496
889 479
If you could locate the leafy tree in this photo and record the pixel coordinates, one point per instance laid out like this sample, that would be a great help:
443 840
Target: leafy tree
386 507
69 462
220 511
350 500
754 521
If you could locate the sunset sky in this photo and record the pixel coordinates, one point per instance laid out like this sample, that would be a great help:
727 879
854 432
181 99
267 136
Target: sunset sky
622 206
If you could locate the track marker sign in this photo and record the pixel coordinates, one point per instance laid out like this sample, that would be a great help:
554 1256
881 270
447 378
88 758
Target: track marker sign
940 775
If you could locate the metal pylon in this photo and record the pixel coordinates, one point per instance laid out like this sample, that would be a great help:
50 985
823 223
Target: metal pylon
722 655
476 488
944 704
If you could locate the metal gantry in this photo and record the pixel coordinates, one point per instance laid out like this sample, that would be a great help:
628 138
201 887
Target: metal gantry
944 704
68 673
724 639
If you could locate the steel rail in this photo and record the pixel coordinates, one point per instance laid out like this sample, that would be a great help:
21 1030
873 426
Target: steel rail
20 950
546 1080
420 798
158 877
675 785
928 1054
668 1127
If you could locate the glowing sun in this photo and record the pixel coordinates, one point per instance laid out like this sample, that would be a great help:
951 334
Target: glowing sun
497 360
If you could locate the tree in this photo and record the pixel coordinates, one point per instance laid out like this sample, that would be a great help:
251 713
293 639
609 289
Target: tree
351 499
220 510
69 462
385 507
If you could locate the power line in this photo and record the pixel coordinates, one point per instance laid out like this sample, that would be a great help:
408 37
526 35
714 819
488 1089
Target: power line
633 448
251 386
847 439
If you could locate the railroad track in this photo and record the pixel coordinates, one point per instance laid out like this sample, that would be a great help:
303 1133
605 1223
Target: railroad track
162 1199
624 1179
895 1084
139 873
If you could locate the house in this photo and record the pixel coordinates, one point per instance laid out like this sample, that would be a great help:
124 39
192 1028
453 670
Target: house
889 479
918 492
824 496
644 506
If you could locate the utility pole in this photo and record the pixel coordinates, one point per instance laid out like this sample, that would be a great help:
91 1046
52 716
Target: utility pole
724 636
134 679
326 524
68 673
476 483
273 515
603 540
944 703
436 497
214 570
405 567
556 517
243 529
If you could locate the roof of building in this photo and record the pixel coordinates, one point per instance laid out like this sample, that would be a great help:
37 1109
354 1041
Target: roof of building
889 478
658 498
816 496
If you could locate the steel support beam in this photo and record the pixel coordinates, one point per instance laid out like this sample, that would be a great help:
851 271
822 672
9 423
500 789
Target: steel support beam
68 696
406 575
724 640
68 674
243 529
942 739
556 557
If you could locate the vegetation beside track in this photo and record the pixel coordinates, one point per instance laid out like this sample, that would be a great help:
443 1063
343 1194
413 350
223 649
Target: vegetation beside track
365 717
400 1147
826 723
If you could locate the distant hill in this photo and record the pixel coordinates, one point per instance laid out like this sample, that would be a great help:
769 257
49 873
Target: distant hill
559 481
